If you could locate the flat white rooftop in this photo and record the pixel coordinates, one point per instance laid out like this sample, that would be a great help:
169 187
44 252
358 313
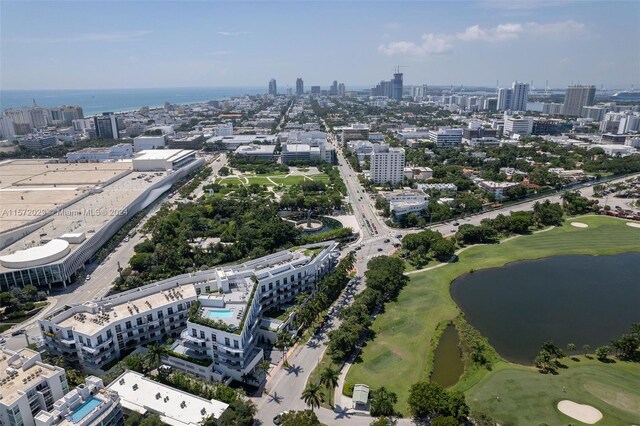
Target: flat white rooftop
175 407
163 154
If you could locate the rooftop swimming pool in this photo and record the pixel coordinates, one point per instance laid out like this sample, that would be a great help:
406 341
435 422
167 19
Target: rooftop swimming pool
86 407
218 313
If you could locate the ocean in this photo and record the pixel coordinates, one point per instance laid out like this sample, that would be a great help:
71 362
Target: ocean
98 101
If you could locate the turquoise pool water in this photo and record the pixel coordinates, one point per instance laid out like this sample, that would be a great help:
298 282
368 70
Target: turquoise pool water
86 407
219 313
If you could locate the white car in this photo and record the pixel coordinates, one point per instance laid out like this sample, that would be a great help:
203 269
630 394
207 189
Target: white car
3 340
88 278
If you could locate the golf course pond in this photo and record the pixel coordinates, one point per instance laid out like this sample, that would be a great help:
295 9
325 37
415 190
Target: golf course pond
447 363
563 299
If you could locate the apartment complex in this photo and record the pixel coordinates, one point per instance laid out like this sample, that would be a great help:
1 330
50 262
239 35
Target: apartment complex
90 404
27 386
215 314
387 164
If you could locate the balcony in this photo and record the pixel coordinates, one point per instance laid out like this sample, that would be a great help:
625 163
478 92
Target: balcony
186 336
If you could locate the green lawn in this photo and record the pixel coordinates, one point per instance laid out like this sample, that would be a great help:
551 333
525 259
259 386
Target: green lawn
520 395
402 352
279 179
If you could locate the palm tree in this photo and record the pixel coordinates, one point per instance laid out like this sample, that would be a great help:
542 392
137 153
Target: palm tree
329 378
586 349
312 395
283 341
263 367
155 353
571 347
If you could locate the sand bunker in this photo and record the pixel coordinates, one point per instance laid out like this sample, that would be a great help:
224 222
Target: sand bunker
579 225
633 224
583 413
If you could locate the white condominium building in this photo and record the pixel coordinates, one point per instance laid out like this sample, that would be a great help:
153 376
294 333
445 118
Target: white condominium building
27 386
216 313
387 164
96 333
90 404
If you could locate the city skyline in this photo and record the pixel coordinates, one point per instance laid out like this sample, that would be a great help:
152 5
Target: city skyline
164 44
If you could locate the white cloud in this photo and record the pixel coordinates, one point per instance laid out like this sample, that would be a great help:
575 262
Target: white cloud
432 44
232 33
553 29
84 38
501 32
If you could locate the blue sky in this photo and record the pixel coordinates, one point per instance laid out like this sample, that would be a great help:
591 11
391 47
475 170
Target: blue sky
110 44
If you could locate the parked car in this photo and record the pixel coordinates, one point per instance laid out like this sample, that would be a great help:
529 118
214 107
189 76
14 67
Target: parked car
17 333
88 277
3 340
277 420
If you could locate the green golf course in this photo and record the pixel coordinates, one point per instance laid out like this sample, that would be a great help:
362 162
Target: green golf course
407 333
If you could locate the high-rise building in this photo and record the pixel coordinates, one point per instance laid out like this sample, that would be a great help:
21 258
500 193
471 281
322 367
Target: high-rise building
315 90
7 130
504 99
576 97
273 88
519 96
299 87
396 86
341 89
107 126
490 104
333 90
387 164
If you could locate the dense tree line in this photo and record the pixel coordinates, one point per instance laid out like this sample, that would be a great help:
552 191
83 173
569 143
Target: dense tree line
384 280
517 222
422 246
310 306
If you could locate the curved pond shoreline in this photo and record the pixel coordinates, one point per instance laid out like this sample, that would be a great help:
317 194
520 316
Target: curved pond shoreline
580 299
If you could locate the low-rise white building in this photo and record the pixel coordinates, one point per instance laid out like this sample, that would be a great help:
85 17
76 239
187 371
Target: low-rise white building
232 142
143 143
120 151
404 202
446 137
162 159
264 152
421 173
498 189
442 187
175 407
